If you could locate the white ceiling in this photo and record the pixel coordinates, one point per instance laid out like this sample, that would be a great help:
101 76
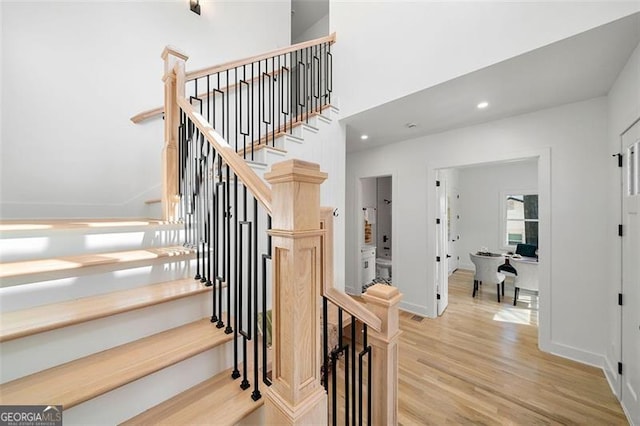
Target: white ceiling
578 68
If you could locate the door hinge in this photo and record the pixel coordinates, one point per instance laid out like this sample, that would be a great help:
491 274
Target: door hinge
438 296
437 258
437 183
437 221
619 230
619 155
620 299
619 368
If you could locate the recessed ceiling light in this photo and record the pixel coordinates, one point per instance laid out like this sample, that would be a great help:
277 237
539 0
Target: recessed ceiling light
411 125
483 105
364 137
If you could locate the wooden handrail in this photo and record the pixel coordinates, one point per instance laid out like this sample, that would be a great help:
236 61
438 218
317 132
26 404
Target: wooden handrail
336 296
233 64
254 183
156 112
347 303
145 115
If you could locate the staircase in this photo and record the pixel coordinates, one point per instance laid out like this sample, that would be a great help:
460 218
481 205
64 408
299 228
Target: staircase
104 317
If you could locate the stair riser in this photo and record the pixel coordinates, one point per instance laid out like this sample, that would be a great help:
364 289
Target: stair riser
24 356
16 247
92 280
127 401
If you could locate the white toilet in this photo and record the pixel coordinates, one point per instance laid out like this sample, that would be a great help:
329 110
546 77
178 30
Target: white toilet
383 267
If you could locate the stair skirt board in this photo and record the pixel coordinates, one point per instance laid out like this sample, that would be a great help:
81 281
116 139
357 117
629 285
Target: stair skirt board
23 356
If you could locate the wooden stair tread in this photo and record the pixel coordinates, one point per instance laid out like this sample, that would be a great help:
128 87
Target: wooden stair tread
65 224
218 400
15 269
77 381
35 320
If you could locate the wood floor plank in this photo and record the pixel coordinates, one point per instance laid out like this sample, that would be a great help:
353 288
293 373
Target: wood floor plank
35 320
479 363
86 378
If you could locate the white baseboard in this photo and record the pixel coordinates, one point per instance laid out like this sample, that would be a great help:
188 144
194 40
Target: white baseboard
467 266
415 309
575 354
613 378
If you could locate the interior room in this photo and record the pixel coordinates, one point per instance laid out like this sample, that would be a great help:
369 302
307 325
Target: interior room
485 214
376 247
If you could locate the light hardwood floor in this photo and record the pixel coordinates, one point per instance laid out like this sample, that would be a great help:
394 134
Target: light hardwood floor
479 364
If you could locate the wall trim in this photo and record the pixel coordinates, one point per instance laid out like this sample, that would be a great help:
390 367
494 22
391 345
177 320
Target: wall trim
415 309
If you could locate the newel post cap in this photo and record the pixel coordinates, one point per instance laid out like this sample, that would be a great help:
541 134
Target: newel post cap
295 171
174 51
382 295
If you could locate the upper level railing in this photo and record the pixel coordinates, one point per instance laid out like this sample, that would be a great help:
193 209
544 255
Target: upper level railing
267 251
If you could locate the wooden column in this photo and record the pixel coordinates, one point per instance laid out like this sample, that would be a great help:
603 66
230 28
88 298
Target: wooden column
296 396
383 300
171 57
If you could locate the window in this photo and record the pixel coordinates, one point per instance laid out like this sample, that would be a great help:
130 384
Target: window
521 219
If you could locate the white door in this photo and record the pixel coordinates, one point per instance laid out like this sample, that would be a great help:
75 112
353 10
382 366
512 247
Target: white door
453 216
631 273
442 276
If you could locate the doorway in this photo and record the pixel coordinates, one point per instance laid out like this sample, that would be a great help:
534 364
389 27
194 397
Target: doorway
478 206
375 240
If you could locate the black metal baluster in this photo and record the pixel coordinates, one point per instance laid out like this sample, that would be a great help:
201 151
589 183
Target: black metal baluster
265 257
325 345
369 379
236 372
251 111
334 393
215 208
255 395
329 71
228 329
354 324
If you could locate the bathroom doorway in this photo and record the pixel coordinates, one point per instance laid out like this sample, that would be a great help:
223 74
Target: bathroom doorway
376 255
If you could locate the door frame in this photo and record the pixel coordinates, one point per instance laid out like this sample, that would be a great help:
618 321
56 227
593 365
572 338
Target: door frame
360 231
543 155
621 288
442 245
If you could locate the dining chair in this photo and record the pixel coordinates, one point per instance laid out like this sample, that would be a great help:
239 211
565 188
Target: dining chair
487 271
526 279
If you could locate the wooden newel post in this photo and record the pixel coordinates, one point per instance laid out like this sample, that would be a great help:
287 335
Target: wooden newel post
171 57
383 300
296 396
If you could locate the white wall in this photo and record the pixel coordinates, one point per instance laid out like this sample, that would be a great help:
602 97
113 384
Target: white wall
623 109
480 190
319 29
74 72
570 141
389 49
